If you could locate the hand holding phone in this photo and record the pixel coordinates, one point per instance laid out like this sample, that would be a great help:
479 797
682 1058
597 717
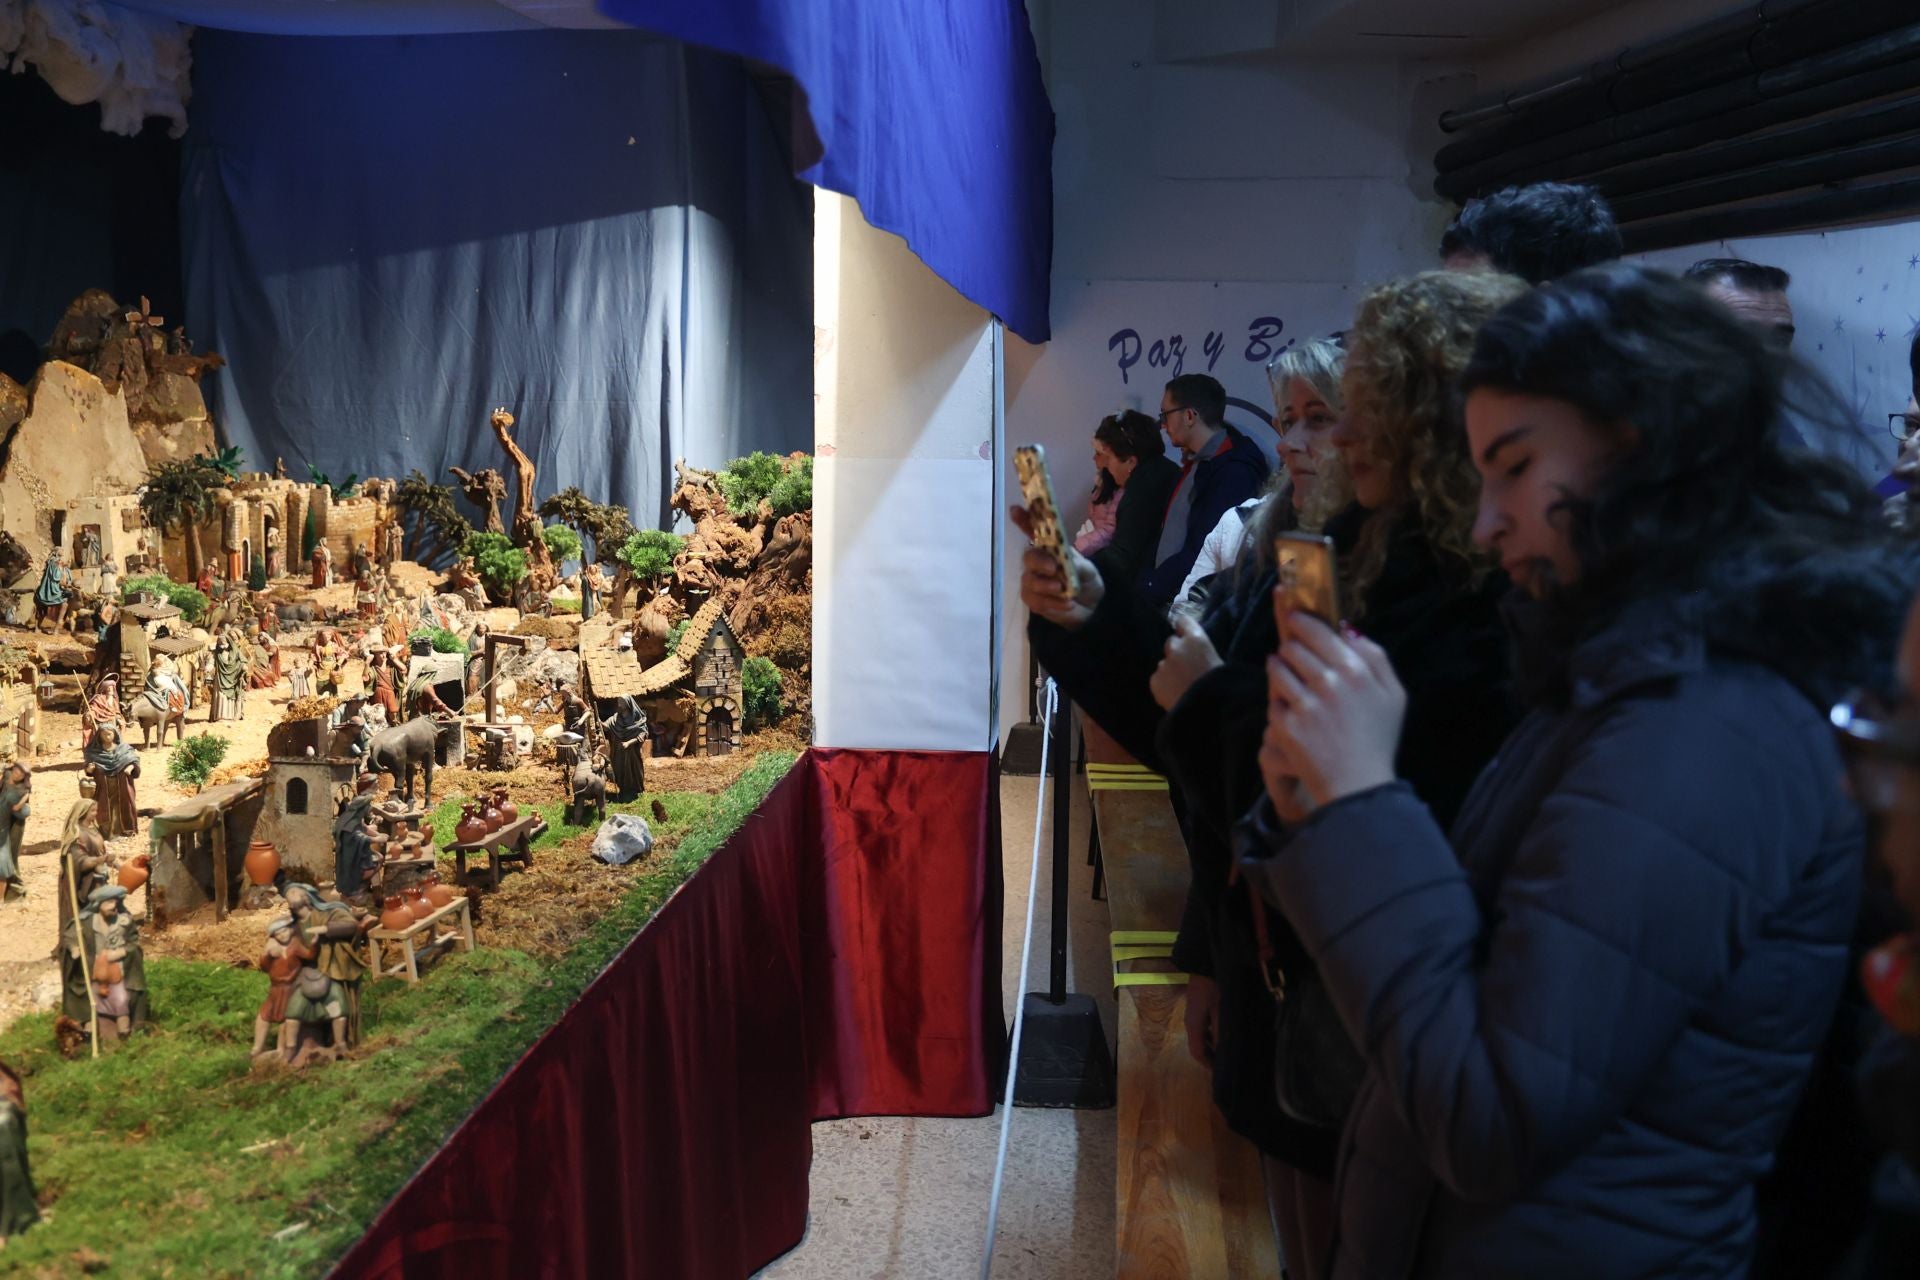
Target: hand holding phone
1308 577
1043 511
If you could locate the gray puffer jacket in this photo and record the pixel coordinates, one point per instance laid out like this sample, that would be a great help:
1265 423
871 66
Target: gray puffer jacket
1588 1019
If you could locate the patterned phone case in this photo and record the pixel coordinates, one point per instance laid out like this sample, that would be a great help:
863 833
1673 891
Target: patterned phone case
1036 489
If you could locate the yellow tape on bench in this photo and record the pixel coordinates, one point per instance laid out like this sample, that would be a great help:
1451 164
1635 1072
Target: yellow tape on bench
1149 980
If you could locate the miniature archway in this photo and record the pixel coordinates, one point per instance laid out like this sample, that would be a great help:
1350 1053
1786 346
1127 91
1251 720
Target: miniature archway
719 726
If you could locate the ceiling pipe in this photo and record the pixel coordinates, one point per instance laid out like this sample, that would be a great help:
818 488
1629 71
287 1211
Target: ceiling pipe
1795 213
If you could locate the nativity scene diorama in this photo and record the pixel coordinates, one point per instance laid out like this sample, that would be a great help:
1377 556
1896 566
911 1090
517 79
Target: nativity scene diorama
338 731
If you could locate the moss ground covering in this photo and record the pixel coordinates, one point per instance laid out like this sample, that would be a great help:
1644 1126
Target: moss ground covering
172 1157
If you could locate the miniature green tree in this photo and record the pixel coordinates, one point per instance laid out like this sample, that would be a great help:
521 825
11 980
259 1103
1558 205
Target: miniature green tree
650 552
436 515
562 543
610 527
500 564
194 759
180 496
793 491
760 682
190 601
227 461
745 482
257 574
674 633
442 640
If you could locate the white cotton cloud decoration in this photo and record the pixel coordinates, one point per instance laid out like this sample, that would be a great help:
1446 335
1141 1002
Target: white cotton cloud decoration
132 64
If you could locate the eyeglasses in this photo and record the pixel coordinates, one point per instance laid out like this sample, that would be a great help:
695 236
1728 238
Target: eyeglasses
1903 425
1167 413
1878 745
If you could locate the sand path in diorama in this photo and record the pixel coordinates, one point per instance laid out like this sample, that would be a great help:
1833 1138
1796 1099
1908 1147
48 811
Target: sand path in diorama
29 979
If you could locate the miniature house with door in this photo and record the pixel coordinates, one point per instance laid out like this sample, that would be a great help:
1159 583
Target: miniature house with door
310 775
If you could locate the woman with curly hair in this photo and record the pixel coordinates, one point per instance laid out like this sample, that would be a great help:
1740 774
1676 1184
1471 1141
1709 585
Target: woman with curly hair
1589 1008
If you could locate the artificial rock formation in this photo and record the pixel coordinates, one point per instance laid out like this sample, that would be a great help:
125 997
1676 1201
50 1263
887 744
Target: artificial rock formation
130 350
74 442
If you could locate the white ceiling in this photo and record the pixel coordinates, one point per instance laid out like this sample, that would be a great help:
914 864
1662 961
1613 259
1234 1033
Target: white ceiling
375 17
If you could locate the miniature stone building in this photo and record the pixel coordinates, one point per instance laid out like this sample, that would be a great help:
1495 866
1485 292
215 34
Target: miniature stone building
304 793
96 528
706 662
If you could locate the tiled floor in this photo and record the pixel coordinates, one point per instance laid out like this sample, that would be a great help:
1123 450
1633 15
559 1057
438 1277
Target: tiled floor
908 1198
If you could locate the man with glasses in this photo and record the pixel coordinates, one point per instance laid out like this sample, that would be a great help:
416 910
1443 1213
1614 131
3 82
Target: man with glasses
1900 509
1222 469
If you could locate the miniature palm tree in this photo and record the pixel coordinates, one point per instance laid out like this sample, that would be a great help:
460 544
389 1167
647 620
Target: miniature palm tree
436 514
180 496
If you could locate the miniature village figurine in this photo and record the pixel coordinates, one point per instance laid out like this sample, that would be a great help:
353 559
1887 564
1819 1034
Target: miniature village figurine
627 748
464 582
50 599
264 671
366 598
229 680
114 767
276 563
84 866
359 562
103 704
119 967
16 795
19 1205
300 677
355 856
110 578
382 675
322 565
279 468
162 702
593 584
332 931
204 583
285 956
87 549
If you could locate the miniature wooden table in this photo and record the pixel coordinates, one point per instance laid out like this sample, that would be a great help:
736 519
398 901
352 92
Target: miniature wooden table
511 843
412 948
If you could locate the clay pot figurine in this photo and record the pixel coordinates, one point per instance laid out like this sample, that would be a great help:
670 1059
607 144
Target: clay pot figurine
134 874
509 811
263 862
492 818
438 894
416 902
394 915
471 827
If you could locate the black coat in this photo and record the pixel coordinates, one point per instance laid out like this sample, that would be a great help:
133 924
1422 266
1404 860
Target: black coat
1220 483
1586 1018
1136 525
1449 641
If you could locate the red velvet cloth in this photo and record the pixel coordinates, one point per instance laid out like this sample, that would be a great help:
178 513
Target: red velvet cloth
839 955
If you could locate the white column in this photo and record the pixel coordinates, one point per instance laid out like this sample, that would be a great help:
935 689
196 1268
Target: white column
907 496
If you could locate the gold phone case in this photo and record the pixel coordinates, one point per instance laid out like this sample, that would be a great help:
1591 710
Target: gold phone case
1036 491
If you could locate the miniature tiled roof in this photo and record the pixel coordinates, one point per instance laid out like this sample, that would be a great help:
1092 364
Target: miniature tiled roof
150 612
614 674
697 632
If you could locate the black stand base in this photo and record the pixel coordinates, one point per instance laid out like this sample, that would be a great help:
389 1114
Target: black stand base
1021 754
1063 1056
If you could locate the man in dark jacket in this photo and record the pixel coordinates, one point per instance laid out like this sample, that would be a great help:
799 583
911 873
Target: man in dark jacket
1223 469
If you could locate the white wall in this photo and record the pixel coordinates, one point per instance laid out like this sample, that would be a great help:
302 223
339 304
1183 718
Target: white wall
1197 200
906 405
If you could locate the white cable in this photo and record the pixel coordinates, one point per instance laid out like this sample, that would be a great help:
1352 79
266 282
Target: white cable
1052 698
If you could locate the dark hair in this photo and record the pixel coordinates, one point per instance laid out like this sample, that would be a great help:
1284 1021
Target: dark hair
1717 498
1913 361
1753 277
1201 393
1538 233
1128 434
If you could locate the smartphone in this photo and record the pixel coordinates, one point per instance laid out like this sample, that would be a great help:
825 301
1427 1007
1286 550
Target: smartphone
1309 574
1036 492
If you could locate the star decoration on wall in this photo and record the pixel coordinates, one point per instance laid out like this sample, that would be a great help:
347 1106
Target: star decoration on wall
1879 335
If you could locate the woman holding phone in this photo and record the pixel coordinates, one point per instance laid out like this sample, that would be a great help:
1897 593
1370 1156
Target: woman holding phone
1588 1015
1189 702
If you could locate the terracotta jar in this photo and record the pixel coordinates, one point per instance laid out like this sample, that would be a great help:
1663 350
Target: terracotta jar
471 827
438 894
426 833
509 811
492 818
394 915
263 862
134 874
416 902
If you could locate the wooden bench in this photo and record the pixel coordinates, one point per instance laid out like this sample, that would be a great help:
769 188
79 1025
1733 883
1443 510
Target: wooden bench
418 940
511 843
1190 1196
